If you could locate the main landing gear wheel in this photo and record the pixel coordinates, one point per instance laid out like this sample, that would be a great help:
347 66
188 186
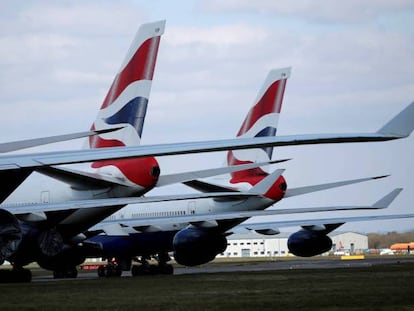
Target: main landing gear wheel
144 268
109 271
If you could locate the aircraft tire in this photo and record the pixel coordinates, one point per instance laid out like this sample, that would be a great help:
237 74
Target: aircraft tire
101 272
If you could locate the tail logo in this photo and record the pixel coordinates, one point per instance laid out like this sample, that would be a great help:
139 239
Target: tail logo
261 121
127 99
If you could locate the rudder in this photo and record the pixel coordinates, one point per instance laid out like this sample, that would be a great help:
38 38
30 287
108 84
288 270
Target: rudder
261 121
126 101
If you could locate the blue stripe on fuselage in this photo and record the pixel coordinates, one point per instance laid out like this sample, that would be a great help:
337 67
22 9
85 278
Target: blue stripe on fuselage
136 244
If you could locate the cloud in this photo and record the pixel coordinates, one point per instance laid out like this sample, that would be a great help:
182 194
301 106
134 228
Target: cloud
312 10
80 18
58 60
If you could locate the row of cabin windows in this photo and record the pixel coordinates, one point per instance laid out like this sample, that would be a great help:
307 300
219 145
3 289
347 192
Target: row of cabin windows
247 243
158 214
154 214
257 253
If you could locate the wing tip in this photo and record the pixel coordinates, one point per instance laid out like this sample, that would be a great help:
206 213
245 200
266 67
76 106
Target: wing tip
401 125
387 199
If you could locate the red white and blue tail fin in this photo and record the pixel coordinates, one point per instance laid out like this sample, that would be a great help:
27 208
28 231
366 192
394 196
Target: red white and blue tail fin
125 105
260 121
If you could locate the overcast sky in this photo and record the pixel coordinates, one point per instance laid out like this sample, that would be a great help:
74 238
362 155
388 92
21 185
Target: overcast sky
352 70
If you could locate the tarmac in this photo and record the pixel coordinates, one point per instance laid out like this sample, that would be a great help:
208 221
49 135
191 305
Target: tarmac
267 265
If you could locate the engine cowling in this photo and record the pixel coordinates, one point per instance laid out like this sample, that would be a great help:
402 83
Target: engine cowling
10 234
50 242
306 243
68 258
194 246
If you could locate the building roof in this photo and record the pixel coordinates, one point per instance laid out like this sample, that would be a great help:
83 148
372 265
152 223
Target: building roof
251 235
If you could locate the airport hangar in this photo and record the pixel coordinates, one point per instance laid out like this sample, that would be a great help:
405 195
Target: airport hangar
258 245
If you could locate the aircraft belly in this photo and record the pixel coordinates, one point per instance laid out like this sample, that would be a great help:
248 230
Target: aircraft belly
137 244
82 219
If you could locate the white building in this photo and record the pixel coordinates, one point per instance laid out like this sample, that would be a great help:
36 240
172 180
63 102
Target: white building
354 243
257 245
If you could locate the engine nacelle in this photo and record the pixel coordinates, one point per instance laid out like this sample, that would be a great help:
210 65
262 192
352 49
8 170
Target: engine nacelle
306 243
50 242
194 246
68 258
10 234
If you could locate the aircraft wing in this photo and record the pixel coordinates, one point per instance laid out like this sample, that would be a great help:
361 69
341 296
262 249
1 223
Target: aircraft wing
322 222
274 225
210 219
399 127
35 142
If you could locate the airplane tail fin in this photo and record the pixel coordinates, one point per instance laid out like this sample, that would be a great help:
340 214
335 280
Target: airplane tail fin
125 104
260 121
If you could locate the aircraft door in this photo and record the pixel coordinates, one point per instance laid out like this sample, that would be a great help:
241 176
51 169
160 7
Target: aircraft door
45 196
191 207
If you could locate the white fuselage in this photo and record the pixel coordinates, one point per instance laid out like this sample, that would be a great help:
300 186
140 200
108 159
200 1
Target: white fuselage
38 188
188 207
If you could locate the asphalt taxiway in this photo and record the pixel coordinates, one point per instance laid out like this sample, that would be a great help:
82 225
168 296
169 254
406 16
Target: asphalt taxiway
268 265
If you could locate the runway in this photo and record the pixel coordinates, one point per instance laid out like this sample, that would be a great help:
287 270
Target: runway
273 265
291 264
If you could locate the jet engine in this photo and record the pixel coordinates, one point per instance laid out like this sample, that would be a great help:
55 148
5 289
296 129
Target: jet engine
195 246
10 234
67 259
308 243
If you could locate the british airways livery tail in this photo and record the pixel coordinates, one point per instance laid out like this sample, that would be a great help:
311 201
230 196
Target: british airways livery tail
260 121
126 102
125 106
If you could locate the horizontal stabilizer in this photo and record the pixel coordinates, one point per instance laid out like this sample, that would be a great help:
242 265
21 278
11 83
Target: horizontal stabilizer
264 185
81 180
309 189
165 180
35 142
87 180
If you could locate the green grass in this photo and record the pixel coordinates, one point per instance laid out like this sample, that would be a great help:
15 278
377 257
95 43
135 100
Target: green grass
380 287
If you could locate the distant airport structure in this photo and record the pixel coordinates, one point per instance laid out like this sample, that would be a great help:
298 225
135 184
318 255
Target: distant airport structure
257 245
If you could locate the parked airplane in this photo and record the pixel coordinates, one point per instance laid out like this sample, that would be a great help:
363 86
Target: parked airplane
196 229
54 225
48 235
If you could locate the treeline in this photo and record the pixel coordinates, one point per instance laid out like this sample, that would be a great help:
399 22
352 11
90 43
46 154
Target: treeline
377 240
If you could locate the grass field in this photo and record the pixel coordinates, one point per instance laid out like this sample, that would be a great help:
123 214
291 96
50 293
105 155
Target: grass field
380 287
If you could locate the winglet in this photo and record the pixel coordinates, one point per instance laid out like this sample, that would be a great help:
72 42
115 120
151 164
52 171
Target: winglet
401 125
387 200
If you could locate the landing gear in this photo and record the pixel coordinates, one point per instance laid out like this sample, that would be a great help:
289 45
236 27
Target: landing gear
16 275
71 273
144 268
111 269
